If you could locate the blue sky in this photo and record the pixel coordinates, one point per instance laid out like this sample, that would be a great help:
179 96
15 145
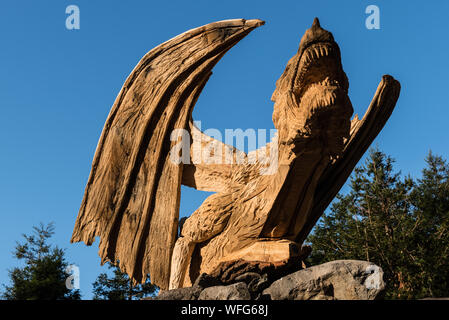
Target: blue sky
57 87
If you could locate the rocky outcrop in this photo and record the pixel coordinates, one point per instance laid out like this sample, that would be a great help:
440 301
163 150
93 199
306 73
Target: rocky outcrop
189 293
231 271
236 291
336 280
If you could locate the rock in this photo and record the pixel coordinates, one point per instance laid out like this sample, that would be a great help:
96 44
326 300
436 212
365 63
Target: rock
255 282
230 271
236 291
206 281
189 293
256 286
336 280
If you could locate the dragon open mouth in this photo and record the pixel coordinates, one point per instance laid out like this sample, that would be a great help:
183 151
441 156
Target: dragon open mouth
321 87
321 80
319 56
312 94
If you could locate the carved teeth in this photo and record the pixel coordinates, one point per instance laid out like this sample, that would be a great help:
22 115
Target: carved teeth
316 51
308 58
329 82
323 51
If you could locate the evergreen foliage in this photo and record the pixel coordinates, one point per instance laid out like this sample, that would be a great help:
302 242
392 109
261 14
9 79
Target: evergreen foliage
395 222
43 276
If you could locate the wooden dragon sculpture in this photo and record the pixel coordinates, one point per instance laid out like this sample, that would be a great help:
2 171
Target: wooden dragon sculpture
132 196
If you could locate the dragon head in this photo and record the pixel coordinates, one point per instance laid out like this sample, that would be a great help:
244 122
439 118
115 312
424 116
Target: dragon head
311 98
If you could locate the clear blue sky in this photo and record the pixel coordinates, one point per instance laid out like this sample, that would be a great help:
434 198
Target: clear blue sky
57 87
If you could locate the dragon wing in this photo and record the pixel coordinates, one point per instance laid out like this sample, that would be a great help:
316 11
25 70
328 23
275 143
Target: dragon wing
212 162
131 200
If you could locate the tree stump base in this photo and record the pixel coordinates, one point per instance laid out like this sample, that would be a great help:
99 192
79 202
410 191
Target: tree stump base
232 271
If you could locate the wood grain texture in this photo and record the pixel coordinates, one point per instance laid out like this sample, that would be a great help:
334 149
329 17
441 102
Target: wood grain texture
363 133
255 216
131 199
318 146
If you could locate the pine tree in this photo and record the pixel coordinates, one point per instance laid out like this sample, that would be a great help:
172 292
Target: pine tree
431 242
373 222
119 287
43 277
